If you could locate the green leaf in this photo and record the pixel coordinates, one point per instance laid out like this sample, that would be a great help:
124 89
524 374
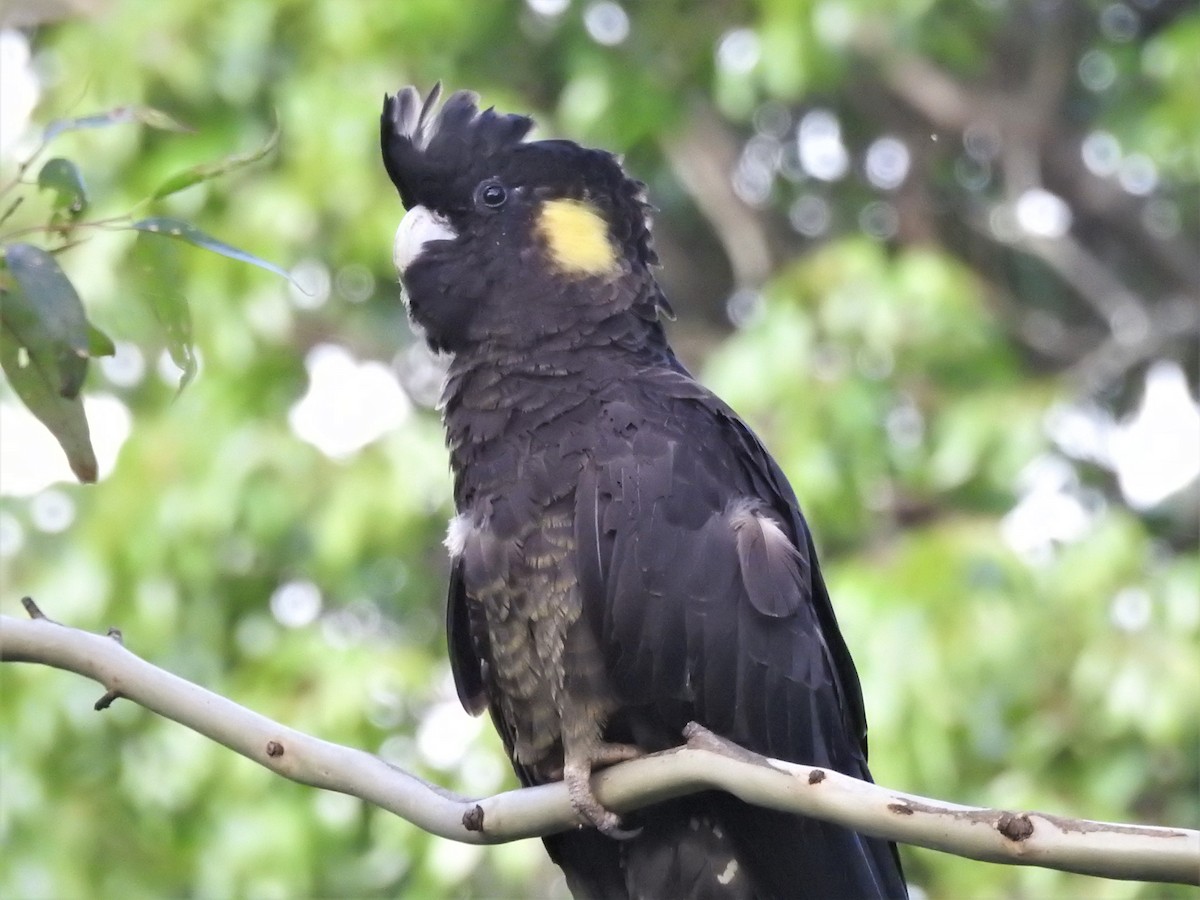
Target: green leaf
181 230
43 312
64 416
158 281
207 171
99 343
63 177
154 118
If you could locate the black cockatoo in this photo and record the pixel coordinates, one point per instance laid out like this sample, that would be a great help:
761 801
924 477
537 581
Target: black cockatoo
626 556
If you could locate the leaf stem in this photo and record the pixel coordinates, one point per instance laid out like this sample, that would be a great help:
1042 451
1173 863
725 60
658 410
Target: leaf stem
110 223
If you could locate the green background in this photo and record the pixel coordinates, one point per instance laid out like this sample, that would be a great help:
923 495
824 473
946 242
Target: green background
1026 636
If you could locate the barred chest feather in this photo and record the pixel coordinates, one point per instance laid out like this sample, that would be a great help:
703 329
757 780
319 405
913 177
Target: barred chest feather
518 443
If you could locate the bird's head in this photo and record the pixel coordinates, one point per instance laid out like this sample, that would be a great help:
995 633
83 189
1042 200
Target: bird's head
507 239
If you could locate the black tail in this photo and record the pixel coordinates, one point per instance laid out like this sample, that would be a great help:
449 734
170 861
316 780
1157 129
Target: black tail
713 846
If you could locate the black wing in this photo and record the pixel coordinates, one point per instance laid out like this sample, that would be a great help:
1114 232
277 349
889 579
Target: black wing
699 574
463 637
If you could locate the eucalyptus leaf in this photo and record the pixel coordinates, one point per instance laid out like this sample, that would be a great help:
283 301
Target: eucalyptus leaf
44 314
147 115
99 343
64 178
158 279
207 171
63 416
176 228
157 119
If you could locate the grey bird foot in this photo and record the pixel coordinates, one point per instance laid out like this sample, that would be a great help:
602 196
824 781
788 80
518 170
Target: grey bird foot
577 773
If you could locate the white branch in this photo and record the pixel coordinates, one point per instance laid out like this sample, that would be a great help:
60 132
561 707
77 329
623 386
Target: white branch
1133 852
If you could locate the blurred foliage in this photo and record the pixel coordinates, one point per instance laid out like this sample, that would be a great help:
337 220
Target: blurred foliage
48 340
904 352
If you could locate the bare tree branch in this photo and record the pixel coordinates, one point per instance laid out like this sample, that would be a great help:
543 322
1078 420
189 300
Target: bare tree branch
1131 278
1133 852
1177 321
1113 302
703 157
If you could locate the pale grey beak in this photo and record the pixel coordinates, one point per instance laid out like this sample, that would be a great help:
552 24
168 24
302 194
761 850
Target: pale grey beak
418 227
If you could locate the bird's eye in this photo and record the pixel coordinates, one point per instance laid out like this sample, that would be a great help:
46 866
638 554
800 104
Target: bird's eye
493 194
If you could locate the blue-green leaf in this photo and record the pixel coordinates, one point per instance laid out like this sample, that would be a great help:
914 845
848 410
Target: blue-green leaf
44 314
154 118
63 177
158 281
183 231
64 416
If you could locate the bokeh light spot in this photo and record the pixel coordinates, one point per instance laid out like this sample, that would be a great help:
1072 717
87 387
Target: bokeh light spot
52 511
822 153
738 51
810 215
1042 214
1131 609
312 284
12 535
127 367
1101 153
349 404
880 220
1097 71
548 8
887 163
1138 174
607 23
296 603
1119 23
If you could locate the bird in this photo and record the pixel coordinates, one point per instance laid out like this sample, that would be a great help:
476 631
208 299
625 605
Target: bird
626 557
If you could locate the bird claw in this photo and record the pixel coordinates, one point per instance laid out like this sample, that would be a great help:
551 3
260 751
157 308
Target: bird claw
617 833
577 775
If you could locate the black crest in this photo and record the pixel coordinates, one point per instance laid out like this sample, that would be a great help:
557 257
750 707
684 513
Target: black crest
424 149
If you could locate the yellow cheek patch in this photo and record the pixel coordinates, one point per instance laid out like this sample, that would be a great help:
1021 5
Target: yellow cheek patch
577 237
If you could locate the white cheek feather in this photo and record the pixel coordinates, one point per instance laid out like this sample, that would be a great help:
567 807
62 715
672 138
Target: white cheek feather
418 227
